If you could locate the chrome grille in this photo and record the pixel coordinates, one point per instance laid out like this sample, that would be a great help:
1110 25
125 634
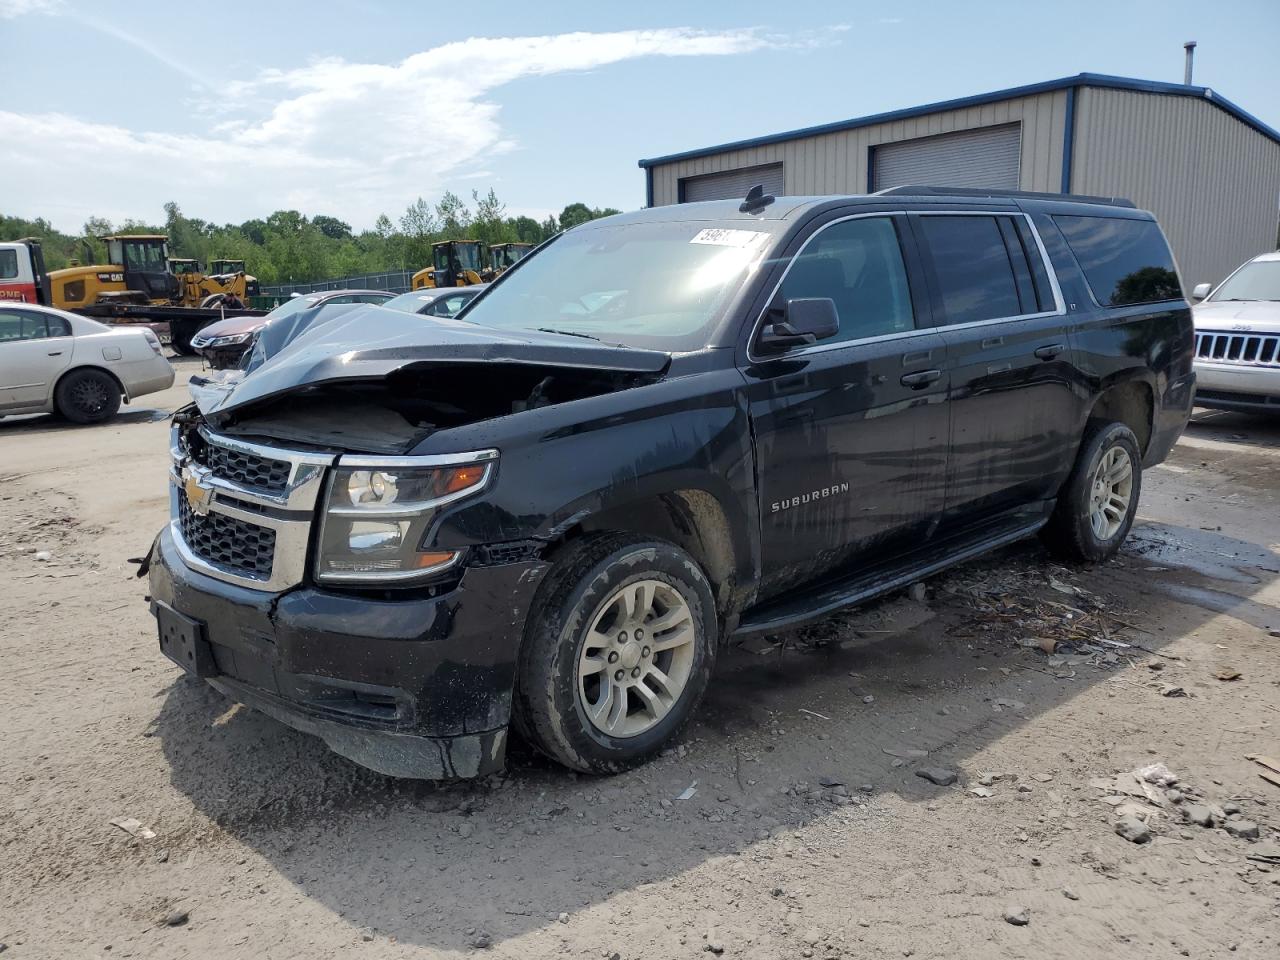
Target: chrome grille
228 542
1251 349
247 469
253 508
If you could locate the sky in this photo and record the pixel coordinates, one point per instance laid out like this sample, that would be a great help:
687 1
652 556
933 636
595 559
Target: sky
353 109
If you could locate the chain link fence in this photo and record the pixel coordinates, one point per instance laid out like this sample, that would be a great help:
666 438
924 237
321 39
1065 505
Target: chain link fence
395 282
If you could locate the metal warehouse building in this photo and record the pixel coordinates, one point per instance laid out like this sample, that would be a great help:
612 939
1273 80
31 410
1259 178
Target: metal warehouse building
1207 169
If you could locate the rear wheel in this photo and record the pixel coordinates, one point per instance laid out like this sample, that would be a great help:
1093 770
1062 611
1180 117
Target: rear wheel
87 396
617 652
1100 498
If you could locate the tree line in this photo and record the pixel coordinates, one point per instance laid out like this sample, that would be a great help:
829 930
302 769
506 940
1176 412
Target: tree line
288 247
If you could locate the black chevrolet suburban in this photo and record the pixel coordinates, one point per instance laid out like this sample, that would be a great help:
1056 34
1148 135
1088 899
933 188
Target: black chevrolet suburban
659 432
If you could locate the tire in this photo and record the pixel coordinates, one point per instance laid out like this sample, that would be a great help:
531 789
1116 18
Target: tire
615 582
87 396
1078 530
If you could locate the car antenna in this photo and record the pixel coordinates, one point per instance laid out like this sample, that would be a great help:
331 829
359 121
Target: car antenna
756 200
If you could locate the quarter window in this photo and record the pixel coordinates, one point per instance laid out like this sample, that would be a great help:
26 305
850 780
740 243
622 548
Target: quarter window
971 265
857 264
1125 261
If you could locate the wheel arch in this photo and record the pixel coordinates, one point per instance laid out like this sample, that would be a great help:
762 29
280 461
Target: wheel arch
692 519
1131 402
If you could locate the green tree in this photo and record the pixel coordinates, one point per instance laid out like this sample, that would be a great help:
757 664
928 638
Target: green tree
419 230
332 227
455 218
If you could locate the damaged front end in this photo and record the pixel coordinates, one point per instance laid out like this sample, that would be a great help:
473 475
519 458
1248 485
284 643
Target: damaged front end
304 571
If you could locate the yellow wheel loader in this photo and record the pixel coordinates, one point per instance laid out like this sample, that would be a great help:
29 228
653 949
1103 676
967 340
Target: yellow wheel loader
454 263
504 256
138 285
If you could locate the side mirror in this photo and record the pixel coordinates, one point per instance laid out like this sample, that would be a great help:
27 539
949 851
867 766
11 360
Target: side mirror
1200 291
803 320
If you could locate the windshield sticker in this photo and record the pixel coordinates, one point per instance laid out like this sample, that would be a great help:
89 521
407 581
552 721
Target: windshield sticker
729 238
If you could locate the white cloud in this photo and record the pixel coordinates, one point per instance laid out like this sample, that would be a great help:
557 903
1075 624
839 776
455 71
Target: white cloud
17 8
350 139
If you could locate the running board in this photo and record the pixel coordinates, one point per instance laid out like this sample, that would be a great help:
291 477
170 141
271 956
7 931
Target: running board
780 615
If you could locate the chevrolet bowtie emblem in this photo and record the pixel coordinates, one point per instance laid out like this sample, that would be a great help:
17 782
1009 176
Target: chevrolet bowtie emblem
198 495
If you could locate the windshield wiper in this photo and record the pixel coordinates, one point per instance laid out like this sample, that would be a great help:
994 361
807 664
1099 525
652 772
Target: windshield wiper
567 333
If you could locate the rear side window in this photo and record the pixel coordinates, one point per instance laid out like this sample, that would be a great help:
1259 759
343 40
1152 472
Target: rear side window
19 325
973 269
1125 261
858 264
8 264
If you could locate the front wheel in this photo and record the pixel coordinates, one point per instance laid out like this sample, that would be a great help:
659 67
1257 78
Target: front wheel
617 652
1100 498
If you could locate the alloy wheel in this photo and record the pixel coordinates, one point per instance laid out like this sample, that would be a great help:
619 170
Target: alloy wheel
1110 492
636 658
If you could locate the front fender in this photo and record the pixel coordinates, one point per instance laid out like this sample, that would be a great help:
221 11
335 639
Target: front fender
561 465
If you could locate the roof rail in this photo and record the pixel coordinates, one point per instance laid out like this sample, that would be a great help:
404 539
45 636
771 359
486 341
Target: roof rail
913 190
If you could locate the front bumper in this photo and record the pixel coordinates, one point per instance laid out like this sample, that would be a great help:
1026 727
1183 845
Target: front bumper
1237 386
417 687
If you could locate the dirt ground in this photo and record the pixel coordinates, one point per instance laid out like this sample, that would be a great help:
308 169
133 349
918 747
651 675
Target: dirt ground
806 833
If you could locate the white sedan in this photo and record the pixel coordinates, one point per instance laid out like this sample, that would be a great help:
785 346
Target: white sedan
52 361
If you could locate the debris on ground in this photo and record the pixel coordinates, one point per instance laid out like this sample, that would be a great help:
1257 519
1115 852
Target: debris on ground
1242 829
1267 852
917 592
1132 829
133 827
1271 768
1172 690
1019 916
1158 774
1009 611
688 792
1198 813
939 775
175 918
1228 674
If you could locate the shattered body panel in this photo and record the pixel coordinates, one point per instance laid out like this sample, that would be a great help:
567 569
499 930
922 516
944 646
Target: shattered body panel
419 686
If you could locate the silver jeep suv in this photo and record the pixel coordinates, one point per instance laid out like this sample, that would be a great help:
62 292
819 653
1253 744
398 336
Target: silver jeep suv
1238 339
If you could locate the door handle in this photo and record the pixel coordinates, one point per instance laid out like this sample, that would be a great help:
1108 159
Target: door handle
1050 351
921 378
55 353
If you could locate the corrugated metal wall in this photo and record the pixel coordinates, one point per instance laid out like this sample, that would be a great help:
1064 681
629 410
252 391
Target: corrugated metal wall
1212 181
837 162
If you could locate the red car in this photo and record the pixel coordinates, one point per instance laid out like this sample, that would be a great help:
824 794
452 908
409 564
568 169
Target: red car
222 344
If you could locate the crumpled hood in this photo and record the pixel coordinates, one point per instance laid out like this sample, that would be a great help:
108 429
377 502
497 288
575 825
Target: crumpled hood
1244 316
371 342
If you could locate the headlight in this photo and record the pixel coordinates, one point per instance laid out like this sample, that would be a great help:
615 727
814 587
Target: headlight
380 510
229 340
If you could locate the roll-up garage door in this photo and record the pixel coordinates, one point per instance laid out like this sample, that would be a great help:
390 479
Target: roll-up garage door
731 184
985 158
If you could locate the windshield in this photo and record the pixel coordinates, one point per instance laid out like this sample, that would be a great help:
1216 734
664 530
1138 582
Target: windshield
145 257
657 285
1259 280
410 302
